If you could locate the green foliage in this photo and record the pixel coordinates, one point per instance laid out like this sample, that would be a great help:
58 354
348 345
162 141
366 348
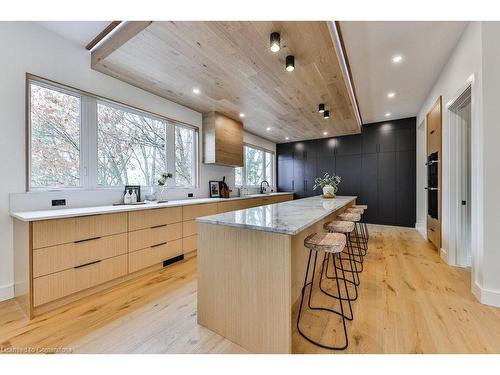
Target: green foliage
164 177
321 182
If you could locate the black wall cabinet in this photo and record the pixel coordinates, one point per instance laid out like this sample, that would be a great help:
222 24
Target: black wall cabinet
378 165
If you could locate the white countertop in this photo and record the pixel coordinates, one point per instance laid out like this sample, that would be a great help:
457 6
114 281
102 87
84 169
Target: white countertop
287 217
58 213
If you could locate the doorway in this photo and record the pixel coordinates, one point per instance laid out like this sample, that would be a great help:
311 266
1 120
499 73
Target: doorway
460 111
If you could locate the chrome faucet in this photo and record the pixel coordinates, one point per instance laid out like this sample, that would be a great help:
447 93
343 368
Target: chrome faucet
261 188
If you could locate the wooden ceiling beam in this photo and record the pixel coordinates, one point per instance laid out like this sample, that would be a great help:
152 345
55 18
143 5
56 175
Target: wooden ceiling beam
102 35
125 31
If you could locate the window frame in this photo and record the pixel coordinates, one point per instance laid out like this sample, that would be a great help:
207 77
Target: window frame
243 169
89 137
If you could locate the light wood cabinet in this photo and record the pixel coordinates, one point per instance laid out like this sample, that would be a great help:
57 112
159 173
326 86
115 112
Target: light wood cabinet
61 284
61 260
197 210
144 258
154 217
143 238
222 140
59 231
74 254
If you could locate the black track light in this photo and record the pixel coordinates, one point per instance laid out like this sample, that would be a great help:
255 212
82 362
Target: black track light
290 63
326 114
275 42
321 108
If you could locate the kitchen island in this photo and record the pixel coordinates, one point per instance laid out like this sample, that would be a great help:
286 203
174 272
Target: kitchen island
251 265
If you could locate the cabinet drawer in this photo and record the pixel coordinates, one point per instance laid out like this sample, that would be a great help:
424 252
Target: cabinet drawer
57 285
153 255
153 217
143 238
61 257
59 231
189 244
196 210
189 228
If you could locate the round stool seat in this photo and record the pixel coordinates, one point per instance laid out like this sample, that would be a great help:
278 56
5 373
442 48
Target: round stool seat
349 216
355 210
363 206
329 242
339 226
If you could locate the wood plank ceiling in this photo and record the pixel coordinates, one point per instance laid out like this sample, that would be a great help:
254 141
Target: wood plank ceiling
232 65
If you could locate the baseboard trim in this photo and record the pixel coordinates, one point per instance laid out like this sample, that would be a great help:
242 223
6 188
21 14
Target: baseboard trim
486 296
420 227
6 292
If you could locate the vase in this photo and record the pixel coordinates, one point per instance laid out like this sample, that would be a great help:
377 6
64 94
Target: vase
161 195
328 191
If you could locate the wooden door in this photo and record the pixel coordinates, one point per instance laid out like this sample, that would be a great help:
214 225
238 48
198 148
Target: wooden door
434 135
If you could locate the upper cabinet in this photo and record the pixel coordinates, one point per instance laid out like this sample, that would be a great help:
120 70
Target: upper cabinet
222 140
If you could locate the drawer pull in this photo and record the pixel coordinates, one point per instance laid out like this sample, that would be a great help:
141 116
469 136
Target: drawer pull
159 244
87 264
159 226
88 239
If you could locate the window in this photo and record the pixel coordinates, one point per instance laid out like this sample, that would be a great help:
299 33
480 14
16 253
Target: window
55 118
185 156
81 141
258 166
130 147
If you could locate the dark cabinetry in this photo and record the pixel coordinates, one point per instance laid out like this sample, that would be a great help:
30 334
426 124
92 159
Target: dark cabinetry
377 165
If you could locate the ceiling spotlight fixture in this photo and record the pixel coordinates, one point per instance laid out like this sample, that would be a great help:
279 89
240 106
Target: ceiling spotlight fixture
326 114
321 108
290 63
325 133
242 115
275 42
396 59
268 129
196 91
391 95
387 114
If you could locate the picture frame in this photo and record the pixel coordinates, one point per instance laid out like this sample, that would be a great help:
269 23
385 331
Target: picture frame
136 188
214 189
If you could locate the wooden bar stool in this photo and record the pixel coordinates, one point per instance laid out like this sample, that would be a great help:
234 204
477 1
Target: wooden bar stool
329 243
345 227
363 229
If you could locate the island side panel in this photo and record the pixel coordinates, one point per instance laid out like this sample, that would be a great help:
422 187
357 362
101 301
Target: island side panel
244 286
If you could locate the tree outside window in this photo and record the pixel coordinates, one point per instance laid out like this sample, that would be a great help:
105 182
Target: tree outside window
258 166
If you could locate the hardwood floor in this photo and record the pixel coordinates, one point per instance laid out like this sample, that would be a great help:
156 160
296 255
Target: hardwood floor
409 302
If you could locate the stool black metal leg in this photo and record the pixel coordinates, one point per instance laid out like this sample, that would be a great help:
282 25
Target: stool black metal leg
339 297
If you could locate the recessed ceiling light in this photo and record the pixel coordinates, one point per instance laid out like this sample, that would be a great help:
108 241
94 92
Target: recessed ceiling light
242 115
391 95
275 42
287 138
325 133
396 59
196 91
387 114
268 129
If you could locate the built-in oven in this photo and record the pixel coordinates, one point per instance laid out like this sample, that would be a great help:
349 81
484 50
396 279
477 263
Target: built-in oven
432 184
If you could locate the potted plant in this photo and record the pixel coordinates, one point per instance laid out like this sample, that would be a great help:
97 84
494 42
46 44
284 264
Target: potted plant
330 185
161 182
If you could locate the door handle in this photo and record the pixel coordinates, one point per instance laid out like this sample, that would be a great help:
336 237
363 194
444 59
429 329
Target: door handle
159 226
87 239
87 264
293 185
158 244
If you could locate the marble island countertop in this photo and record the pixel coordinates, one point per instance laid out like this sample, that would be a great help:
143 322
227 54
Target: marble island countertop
287 217
58 213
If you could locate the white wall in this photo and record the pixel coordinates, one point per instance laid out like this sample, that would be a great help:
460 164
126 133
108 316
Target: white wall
476 55
28 47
